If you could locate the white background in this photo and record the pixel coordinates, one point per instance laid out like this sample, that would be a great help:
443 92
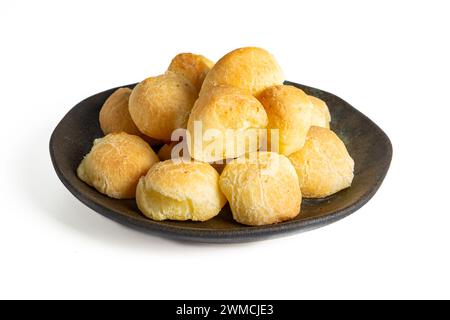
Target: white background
390 59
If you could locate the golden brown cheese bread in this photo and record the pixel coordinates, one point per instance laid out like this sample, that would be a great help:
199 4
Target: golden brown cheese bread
194 67
219 109
159 105
180 191
323 165
262 188
321 116
291 111
251 69
115 164
115 116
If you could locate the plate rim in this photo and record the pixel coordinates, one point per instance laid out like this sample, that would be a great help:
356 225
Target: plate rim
211 235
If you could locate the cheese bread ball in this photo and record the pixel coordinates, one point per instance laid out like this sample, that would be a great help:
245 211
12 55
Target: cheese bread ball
115 164
115 116
291 111
217 110
262 188
251 69
194 67
178 190
321 116
159 105
323 165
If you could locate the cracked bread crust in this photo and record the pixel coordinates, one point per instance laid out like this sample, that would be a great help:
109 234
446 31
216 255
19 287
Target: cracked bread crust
177 190
222 108
194 67
159 105
115 117
323 165
115 164
262 189
321 116
291 111
250 69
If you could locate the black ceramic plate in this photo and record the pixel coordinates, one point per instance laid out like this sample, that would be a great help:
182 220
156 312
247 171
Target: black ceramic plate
366 142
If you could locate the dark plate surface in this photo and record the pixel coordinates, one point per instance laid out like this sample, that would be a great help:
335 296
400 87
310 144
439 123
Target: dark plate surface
366 142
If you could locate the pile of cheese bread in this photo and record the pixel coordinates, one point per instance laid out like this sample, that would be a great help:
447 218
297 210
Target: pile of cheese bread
195 114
